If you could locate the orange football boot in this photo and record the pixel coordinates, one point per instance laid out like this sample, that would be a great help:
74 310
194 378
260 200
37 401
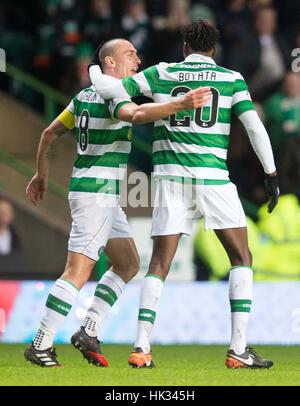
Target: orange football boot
138 359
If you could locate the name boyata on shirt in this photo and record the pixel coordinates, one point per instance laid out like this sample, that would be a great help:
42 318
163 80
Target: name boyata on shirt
204 75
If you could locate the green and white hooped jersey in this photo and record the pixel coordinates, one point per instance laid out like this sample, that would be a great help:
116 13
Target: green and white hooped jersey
193 144
103 144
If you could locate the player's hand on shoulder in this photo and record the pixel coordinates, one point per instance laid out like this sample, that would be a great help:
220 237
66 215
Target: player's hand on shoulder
36 188
272 187
197 98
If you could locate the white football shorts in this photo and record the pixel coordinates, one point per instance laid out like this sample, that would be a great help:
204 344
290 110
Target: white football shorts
177 205
95 220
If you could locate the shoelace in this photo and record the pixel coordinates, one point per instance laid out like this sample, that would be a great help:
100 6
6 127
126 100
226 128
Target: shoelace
251 351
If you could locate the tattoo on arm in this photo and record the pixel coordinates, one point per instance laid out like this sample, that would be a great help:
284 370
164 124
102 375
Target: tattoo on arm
51 150
61 130
58 129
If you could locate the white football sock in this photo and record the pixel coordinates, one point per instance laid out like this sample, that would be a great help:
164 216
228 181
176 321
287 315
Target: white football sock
149 299
240 296
106 294
59 303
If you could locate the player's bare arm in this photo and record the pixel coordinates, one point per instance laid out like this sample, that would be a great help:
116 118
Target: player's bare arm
39 183
149 112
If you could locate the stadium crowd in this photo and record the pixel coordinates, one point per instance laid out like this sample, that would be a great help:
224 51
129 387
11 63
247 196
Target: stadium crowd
55 39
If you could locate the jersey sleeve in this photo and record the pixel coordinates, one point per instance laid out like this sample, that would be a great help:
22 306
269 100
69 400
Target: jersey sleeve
67 117
259 139
107 86
115 105
143 83
241 99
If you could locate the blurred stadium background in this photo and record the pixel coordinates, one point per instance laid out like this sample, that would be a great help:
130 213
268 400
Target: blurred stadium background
48 46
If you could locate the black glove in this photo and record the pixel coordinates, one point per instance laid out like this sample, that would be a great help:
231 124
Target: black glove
272 186
95 59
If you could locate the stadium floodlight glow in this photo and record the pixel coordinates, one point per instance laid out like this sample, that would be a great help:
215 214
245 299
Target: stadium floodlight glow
2 60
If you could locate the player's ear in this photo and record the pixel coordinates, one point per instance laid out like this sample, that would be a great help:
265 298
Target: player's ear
214 52
109 61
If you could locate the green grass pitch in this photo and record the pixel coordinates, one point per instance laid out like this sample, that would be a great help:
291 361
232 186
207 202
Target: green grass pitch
176 365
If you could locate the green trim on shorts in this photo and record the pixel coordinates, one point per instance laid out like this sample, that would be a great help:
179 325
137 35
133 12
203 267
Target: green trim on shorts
152 275
193 181
241 266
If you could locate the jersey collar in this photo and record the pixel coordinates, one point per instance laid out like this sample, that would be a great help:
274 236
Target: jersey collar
199 58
